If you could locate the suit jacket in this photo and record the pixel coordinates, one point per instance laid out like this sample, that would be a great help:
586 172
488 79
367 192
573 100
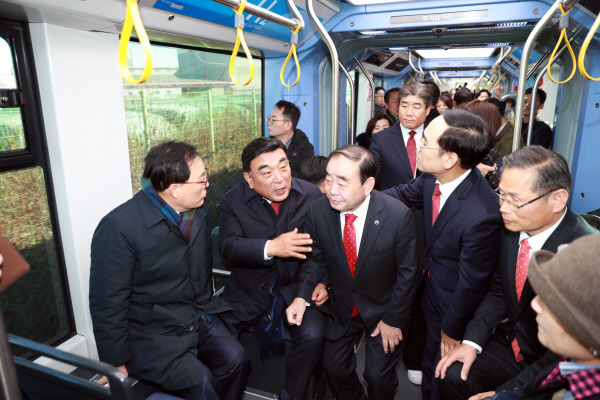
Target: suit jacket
246 222
384 283
541 134
501 301
148 285
461 249
389 151
299 150
503 140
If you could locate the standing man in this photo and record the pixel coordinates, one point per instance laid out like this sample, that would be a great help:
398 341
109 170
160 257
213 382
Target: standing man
261 224
379 101
501 342
391 103
541 133
282 125
462 230
363 240
434 90
503 139
395 148
151 295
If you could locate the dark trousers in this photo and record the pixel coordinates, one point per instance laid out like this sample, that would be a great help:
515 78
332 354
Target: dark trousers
225 364
339 360
307 347
433 338
495 365
414 341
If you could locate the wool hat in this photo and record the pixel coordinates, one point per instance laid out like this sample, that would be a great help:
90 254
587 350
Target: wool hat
568 282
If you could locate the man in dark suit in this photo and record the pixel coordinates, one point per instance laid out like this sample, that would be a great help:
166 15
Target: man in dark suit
534 190
151 297
462 229
391 103
363 240
395 148
541 133
261 224
282 125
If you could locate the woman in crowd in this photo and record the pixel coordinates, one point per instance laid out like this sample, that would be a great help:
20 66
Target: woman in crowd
376 124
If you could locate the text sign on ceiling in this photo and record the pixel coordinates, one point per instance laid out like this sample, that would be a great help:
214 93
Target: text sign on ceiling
459 16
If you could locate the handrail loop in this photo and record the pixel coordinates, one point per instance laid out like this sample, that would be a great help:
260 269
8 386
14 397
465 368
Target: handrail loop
563 25
133 20
584 47
293 41
239 25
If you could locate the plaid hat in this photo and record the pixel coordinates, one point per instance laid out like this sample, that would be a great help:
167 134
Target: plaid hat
568 282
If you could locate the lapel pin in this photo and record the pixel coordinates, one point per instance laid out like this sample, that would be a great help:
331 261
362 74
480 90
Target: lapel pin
376 222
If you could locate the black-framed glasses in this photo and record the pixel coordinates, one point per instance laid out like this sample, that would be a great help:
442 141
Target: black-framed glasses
502 199
271 119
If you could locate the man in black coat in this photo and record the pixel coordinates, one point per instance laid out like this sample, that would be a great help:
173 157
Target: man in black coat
151 296
282 125
261 237
364 241
500 348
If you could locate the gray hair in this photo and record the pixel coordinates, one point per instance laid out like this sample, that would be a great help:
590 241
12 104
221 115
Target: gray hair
416 89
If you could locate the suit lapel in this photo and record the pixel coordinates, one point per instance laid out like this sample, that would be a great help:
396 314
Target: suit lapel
335 232
512 252
400 149
373 225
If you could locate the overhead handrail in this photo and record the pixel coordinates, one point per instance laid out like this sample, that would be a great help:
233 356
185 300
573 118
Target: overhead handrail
584 47
351 133
418 71
335 74
371 82
563 25
266 14
133 20
520 100
293 41
239 25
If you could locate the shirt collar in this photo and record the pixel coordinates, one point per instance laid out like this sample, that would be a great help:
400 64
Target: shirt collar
289 141
405 130
502 127
361 211
446 189
537 241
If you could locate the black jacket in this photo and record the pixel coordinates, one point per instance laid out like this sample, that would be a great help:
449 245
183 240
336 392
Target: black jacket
300 149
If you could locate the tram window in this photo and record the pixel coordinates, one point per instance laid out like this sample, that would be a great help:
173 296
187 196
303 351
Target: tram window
190 97
11 123
37 305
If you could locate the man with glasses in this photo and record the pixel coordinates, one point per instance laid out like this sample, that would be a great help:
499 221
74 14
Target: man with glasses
282 125
151 298
262 238
462 230
500 349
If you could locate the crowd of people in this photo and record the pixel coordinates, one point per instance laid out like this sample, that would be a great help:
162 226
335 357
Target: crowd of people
400 239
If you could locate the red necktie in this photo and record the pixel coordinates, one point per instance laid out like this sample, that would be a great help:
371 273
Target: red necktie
435 200
520 277
275 206
350 246
411 149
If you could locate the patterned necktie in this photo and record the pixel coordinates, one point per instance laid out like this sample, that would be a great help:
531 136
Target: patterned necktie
275 206
520 277
350 246
435 200
411 149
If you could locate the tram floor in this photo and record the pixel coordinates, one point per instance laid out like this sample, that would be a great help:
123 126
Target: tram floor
406 390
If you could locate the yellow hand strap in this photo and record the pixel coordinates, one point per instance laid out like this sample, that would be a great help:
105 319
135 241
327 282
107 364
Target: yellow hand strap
294 40
133 20
584 47
239 24
563 35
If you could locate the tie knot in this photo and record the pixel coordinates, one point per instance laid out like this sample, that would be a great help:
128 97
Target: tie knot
350 218
525 244
412 134
436 190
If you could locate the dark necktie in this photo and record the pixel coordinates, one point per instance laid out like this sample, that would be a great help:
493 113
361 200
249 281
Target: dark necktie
350 247
411 149
520 277
435 200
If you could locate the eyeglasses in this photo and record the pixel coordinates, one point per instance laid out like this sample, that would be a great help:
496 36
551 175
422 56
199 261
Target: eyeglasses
502 199
271 120
204 182
428 147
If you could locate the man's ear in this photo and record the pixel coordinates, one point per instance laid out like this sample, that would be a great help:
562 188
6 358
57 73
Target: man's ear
248 179
369 185
559 200
451 159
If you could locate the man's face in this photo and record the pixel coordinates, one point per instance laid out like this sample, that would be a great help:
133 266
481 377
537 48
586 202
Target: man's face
270 175
527 106
430 158
379 99
553 335
192 193
342 184
412 112
278 124
533 218
392 104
